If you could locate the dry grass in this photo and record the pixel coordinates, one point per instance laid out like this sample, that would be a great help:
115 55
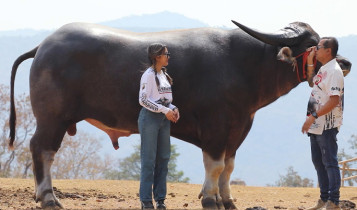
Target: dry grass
109 194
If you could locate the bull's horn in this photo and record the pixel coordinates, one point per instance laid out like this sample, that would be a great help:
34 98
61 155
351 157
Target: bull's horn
285 39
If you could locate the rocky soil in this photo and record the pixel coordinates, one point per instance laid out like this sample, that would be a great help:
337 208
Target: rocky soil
110 194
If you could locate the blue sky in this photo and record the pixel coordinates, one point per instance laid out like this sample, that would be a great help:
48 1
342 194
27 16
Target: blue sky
327 17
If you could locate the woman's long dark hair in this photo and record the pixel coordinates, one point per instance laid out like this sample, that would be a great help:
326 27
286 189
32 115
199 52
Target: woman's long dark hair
155 50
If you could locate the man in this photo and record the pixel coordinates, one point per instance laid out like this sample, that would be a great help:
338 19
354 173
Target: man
324 120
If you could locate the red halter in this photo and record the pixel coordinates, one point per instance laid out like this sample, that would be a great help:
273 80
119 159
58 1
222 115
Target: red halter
304 60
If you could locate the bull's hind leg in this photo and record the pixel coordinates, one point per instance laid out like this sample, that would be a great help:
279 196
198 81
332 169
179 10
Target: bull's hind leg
224 185
44 145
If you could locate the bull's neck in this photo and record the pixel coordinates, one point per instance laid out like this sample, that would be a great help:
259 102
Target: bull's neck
274 81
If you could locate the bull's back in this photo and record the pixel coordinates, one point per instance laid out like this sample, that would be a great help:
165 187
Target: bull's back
85 72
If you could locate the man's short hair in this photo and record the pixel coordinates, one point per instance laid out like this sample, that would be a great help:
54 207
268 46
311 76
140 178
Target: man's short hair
332 43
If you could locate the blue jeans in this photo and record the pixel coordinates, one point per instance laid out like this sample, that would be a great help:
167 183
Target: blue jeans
155 152
324 156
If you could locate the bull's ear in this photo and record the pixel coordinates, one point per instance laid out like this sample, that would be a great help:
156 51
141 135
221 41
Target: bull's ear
285 55
345 64
345 72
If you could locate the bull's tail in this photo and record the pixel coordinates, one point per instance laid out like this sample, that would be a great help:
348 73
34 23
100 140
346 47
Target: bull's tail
12 120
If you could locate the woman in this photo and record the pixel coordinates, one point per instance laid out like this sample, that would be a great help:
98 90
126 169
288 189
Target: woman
154 126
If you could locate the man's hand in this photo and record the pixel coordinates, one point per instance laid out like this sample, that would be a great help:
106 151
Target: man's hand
311 56
329 105
310 61
305 128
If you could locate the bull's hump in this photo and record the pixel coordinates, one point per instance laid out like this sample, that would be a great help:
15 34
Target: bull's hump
103 31
91 26
93 30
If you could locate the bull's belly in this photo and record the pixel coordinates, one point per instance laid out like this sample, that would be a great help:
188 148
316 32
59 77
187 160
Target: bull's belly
113 133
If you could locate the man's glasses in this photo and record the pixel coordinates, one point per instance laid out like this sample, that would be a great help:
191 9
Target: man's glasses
319 47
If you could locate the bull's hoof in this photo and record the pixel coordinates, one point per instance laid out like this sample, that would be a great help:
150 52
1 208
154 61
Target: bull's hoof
210 203
220 204
229 205
51 205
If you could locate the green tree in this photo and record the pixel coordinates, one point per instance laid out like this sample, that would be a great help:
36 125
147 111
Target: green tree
174 175
129 168
293 179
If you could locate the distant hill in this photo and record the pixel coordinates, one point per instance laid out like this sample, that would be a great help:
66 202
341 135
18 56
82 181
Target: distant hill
22 33
138 23
155 22
275 141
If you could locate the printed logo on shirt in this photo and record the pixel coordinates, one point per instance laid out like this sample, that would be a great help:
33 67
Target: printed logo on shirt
336 88
163 101
164 90
318 79
147 103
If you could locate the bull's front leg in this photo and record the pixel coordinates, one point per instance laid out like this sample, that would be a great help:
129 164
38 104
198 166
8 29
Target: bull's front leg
224 184
210 189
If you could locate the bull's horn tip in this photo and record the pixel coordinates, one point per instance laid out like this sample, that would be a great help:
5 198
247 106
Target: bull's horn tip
236 23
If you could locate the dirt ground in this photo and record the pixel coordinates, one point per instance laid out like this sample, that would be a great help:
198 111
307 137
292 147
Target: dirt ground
115 194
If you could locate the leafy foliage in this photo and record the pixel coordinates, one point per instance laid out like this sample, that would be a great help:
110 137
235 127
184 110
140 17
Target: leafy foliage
78 158
15 162
129 168
293 179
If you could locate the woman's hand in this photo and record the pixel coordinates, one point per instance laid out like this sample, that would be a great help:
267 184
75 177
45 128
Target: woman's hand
177 114
170 115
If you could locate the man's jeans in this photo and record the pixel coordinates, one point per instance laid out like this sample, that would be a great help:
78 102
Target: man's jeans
155 152
324 156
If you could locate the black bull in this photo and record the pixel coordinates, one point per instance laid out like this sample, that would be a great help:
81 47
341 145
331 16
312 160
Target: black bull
221 78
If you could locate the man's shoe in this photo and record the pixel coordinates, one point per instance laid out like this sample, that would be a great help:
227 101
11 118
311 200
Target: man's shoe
147 205
332 206
320 204
160 205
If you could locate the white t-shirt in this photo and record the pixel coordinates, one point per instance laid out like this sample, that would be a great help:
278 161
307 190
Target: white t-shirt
154 98
327 82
